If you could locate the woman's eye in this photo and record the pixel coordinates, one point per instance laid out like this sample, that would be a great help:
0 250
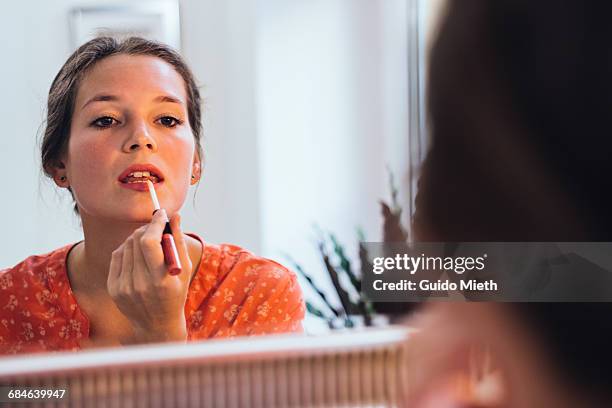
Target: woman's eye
104 122
169 121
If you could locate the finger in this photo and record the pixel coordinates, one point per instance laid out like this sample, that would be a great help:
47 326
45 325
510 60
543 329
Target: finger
446 344
150 244
181 244
140 273
125 278
434 351
114 270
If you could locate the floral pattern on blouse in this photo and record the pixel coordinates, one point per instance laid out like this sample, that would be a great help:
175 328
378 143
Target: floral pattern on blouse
233 293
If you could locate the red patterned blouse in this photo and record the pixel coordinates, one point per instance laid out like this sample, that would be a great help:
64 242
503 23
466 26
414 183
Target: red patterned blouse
233 293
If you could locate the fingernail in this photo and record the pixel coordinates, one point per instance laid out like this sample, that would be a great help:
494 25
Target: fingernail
162 214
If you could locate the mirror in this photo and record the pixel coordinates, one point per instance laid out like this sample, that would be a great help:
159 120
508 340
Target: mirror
308 108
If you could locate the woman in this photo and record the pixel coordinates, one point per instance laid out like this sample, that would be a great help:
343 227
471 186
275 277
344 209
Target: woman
519 100
120 113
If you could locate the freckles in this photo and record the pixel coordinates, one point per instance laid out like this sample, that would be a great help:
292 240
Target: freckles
180 151
89 159
178 156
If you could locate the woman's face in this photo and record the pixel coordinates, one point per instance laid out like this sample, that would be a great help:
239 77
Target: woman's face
130 111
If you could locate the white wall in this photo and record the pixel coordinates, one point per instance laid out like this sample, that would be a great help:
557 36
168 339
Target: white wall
332 113
218 42
17 150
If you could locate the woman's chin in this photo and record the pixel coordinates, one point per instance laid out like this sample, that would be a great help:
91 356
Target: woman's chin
140 217
141 214
132 216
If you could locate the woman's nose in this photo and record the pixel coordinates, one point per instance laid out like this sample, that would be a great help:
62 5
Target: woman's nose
140 138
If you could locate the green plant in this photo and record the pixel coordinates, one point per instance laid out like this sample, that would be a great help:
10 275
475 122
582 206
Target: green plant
337 263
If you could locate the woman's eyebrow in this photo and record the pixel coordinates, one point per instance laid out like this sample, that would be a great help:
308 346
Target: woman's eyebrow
168 98
159 99
100 98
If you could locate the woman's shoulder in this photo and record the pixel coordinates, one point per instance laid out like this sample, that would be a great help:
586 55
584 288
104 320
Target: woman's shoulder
234 262
35 269
33 304
242 293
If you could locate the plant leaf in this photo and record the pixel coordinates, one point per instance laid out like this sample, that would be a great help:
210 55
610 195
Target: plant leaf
315 311
310 281
345 263
347 305
392 225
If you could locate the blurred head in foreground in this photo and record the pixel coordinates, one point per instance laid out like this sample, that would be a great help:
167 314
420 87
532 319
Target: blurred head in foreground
518 98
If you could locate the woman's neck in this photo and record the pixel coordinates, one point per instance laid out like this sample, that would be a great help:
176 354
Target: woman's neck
89 262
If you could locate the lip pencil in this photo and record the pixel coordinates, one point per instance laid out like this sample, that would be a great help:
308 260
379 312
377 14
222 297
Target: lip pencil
171 257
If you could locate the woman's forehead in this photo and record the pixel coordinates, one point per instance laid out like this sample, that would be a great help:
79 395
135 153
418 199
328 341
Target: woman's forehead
129 76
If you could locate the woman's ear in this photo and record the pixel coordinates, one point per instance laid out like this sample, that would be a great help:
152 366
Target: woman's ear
60 175
196 170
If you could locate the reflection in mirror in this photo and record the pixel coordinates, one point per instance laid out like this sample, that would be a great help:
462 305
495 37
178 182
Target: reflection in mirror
292 114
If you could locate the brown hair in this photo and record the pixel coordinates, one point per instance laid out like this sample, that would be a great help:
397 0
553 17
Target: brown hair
517 101
63 91
519 98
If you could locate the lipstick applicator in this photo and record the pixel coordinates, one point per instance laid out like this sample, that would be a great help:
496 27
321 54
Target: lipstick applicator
171 257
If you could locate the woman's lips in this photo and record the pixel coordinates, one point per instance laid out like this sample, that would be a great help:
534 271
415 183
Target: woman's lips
140 186
139 169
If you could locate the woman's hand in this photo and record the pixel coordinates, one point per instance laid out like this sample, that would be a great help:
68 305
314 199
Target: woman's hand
144 291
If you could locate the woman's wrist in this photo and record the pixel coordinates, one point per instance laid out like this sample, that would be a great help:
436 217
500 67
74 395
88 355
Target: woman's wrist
175 333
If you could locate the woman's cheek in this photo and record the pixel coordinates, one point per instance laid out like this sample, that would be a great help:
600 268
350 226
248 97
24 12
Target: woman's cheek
89 170
178 157
177 185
